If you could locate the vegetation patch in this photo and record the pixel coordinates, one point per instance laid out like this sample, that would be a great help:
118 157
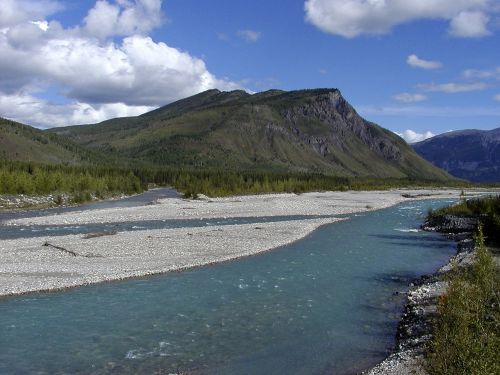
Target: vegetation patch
78 184
485 210
217 183
466 336
82 183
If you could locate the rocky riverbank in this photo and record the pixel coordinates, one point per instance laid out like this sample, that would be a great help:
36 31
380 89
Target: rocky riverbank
415 328
34 202
22 201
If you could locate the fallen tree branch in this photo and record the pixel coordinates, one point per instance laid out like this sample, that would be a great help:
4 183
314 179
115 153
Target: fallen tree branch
61 248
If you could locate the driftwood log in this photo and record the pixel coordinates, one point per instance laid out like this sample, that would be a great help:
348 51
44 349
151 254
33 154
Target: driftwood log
72 253
61 249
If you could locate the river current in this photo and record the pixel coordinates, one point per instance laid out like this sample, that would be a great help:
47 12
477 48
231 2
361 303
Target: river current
327 304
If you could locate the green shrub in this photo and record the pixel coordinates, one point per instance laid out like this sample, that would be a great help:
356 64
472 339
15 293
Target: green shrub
486 209
466 338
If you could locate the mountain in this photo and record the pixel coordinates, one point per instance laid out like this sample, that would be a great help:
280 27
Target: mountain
24 143
468 154
308 130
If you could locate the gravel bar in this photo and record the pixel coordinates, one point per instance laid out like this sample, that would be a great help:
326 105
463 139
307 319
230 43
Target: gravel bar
51 263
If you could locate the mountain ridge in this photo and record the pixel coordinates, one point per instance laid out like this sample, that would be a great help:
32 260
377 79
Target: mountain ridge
314 130
468 154
20 142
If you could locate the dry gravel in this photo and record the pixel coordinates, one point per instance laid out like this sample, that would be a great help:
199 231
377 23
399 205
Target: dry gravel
327 203
27 266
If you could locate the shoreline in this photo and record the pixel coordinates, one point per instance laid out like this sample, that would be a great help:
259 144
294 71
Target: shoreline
415 326
26 266
15 203
25 202
263 205
159 273
296 229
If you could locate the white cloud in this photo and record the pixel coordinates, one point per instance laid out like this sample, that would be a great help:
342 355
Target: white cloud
482 74
410 98
13 12
351 18
98 77
83 113
32 110
43 25
411 136
497 97
453 88
416 62
250 36
470 24
123 17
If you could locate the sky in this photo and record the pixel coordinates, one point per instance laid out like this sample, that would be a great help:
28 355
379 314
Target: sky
416 67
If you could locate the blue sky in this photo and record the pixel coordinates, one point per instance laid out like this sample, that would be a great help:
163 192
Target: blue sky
417 67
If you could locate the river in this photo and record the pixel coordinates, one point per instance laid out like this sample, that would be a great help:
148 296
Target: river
327 304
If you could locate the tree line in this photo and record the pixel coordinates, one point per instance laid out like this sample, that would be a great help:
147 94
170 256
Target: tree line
101 181
39 179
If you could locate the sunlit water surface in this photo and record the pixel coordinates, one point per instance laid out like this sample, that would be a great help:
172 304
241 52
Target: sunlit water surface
324 305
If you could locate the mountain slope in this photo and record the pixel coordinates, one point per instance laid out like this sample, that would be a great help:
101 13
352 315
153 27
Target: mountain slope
24 143
307 130
469 154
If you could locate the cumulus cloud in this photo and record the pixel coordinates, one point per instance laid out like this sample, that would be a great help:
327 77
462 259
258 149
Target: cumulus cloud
250 36
351 18
123 17
410 98
416 62
453 88
14 12
470 24
100 78
33 110
411 136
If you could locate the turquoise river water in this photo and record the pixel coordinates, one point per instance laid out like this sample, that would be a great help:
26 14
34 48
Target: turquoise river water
327 304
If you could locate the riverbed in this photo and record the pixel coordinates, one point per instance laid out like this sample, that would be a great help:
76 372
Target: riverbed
112 241
326 303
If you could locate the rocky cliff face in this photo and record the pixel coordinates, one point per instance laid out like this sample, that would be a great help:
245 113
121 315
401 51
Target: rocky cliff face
470 154
342 119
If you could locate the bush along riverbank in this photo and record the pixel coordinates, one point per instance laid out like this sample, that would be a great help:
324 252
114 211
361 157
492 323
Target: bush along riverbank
466 335
451 322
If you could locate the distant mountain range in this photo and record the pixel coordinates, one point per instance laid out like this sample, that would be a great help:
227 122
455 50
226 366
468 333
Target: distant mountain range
473 155
297 131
